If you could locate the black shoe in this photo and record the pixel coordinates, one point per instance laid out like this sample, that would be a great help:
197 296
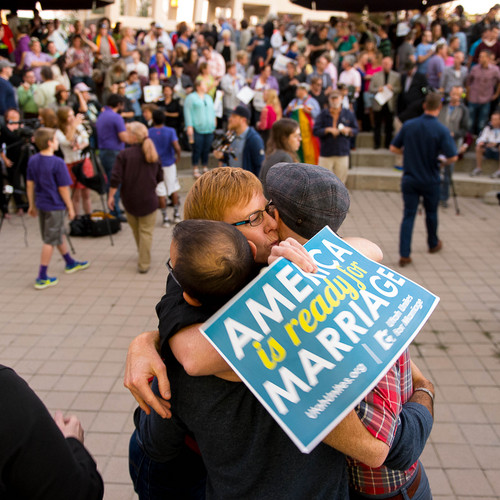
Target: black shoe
122 218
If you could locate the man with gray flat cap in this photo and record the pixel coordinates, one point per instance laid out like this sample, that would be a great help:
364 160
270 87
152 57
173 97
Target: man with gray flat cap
307 198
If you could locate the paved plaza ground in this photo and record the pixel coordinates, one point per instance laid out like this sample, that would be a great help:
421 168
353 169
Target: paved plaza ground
70 341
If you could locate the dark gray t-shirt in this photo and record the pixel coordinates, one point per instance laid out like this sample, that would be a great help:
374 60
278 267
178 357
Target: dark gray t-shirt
246 453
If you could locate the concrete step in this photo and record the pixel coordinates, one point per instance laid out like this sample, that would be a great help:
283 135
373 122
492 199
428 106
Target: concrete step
365 140
384 179
374 170
368 157
185 163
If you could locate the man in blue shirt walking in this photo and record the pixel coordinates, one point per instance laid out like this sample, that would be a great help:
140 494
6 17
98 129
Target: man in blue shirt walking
425 145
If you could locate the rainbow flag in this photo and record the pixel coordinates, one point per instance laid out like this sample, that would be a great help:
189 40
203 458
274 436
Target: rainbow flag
309 148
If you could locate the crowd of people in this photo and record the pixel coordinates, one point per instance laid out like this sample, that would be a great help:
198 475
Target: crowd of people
378 73
290 99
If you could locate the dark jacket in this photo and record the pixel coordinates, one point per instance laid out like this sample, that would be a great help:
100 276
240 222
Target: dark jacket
138 180
36 461
411 102
330 145
7 96
253 152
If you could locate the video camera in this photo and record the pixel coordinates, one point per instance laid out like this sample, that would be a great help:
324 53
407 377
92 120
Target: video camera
27 127
223 141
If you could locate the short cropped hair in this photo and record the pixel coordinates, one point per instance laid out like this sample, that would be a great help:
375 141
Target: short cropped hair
350 59
241 54
433 101
46 73
42 137
158 117
114 100
220 190
214 260
149 107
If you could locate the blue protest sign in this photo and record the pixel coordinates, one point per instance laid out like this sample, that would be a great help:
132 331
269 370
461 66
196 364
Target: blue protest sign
311 346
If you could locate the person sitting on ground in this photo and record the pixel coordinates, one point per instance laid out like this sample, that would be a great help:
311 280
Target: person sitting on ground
47 182
488 145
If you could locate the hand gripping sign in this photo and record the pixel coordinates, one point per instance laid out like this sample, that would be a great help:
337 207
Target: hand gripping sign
311 346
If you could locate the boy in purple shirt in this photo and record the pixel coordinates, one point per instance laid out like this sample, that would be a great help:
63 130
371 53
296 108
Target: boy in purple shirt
47 187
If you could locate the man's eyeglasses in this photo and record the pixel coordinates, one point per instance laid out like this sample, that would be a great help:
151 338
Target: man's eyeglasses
257 217
171 271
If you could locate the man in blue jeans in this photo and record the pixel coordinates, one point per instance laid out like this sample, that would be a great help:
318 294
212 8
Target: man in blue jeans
111 138
425 144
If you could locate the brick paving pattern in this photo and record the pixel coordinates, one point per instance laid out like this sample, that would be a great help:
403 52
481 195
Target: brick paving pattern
70 341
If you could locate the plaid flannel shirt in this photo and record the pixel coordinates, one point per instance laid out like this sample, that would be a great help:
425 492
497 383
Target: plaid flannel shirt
379 412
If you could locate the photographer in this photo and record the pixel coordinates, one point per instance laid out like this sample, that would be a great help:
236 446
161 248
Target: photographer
73 139
87 105
247 148
12 135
